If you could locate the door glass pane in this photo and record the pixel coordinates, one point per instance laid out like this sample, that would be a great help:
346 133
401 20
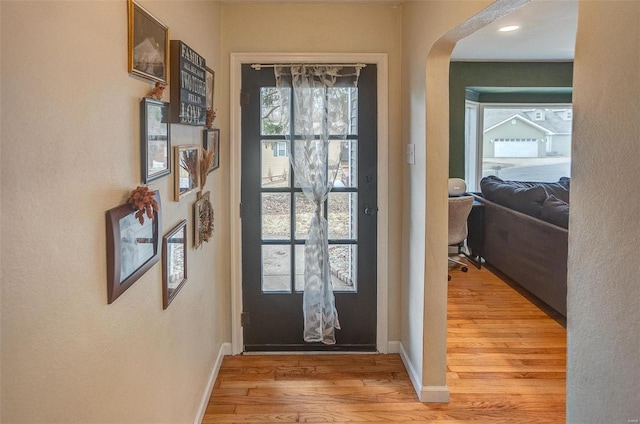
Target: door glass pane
276 210
343 215
343 267
276 268
304 212
347 175
343 110
274 163
274 111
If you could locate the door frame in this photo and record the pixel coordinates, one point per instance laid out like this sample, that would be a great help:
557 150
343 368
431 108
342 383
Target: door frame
235 137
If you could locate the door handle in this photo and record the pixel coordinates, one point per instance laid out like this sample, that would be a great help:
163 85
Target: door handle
369 211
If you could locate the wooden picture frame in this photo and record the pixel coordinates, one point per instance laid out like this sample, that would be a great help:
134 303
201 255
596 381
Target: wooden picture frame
187 174
211 140
174 260
155 139
132 248
202 220
148 46
209 77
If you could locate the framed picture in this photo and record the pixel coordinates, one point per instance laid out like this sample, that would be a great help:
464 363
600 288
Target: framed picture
155 139
211 140
209 77
148 45
174 259
203 220
132 248
187 175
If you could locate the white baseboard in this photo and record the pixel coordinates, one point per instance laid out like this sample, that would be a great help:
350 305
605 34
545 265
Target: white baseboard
393 346
434 394
225 349
427 394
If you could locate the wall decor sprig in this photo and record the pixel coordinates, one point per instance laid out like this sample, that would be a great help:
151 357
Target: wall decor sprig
142 199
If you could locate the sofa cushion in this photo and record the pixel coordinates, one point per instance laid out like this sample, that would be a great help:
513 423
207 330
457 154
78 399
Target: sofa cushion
520 196
555 211
560 189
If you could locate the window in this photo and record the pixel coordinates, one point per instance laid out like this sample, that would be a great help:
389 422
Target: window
280 149
522 142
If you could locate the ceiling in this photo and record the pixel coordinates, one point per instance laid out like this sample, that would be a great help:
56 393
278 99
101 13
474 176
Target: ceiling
547 33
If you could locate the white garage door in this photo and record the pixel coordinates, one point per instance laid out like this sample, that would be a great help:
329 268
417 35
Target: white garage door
516 149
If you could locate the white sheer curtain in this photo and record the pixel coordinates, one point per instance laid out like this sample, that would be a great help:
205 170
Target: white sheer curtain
315 164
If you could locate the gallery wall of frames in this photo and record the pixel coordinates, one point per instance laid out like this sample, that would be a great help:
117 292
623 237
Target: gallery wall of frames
133 229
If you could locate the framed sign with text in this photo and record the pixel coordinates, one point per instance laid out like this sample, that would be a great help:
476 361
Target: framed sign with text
189 85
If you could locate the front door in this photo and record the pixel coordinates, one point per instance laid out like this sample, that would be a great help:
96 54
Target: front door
276 216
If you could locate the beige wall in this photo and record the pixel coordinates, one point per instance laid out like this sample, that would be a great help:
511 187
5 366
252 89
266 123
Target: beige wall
603 381
426 52
70 151
338 28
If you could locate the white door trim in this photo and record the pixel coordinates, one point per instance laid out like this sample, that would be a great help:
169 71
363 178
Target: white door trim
381 61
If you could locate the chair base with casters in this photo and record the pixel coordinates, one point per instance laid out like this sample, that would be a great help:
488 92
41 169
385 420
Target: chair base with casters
459 209
463 266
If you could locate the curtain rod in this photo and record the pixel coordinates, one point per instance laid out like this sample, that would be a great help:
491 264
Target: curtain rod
258 66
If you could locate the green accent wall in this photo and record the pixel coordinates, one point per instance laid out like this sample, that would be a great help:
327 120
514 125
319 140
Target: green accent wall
501 82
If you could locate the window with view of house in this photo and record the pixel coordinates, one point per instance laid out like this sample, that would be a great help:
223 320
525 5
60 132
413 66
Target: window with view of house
525 142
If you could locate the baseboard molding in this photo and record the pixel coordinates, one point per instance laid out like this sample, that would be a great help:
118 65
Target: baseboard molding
225 349
393 346
434 394
426 394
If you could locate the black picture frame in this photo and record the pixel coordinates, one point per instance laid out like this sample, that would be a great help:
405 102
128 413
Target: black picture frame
132 248
155 139
211 139
174 259
148 45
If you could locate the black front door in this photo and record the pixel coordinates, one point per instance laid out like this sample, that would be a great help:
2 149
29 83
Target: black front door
276 216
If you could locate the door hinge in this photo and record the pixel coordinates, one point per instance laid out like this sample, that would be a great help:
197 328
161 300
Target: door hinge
245 319
244 98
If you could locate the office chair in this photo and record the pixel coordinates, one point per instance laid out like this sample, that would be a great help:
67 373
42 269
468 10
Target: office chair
459 209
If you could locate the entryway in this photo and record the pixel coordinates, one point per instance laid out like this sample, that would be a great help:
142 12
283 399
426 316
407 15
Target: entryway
275 217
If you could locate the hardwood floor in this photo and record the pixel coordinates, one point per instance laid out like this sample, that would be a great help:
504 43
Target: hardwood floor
505 357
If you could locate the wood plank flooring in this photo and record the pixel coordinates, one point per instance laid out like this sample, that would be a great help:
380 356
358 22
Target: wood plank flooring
505 357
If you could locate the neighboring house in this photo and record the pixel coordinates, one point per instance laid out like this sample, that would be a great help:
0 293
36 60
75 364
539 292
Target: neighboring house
527 134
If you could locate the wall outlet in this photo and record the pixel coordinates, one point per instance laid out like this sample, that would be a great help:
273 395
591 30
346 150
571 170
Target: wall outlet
411 154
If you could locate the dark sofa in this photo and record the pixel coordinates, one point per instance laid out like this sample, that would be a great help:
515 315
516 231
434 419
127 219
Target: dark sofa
521 230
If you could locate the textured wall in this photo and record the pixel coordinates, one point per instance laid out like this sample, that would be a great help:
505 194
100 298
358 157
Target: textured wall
603 381
70 151
425 124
